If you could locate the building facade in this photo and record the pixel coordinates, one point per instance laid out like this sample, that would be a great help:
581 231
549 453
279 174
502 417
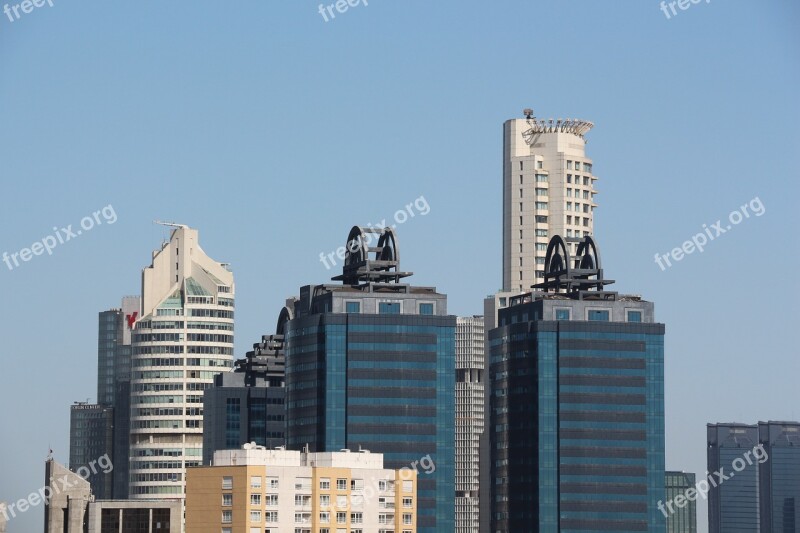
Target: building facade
278 491
733 505
548 189
91 432
680 519
469 420
249 404
779 476
3 518
182 339
577 406
72 508
370 364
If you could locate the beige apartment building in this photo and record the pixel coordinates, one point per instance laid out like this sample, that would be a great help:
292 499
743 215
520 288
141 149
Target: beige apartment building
256 490
548 189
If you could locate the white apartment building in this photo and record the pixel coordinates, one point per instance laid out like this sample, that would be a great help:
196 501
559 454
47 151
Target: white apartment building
548 189
469 420
182 339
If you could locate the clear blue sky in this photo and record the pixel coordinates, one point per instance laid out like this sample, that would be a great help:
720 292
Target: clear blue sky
273 132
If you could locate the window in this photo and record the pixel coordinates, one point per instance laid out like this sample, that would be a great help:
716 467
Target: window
541 233
520 165
341 484
341 502
520 220
541 219
569 206
272 500
255 482
585 223
227 500
585 180
540 260
600 315
407 502
541 246
227 482
541 205
569 178
324 501
325 517
634 316
520 234
541 192
426 309
356 484
357 518
255 516
389 308
325 483
520 179
226 530
520 193
539 164
272 482
255 500
227 517
562 314
541 178
569 165
341 518
587 167
353 307
406 519
272 516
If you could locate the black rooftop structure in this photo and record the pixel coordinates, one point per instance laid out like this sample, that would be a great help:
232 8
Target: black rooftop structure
372 268
581 277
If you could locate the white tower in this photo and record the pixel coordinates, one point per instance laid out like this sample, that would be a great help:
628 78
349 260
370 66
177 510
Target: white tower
182 339
548 189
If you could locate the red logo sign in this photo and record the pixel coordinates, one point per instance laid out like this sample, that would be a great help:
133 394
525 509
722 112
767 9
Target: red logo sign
131 319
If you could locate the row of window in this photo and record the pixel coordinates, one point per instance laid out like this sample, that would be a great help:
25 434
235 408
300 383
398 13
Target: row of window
571 165
304 483
307 530
324 517
389 308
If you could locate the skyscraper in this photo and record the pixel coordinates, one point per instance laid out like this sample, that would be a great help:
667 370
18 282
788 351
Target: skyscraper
548 189
681 519
103 428
91 434
181 341
733 504
577 404
779 475
469 420
370 364
249 404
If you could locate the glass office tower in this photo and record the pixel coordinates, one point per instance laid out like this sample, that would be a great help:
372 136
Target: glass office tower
780 477
370 365
249 404
683 519
577 404
733 503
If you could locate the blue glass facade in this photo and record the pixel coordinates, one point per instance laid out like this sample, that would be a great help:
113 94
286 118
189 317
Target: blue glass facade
779 475
383 382
577 420
733 503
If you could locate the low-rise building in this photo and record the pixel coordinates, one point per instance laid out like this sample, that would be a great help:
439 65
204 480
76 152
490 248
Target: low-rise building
272 491
71 507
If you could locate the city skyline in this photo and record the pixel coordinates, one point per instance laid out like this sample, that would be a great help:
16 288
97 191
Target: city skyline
201 122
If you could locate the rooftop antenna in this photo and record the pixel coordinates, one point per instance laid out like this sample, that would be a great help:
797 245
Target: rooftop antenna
170 224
